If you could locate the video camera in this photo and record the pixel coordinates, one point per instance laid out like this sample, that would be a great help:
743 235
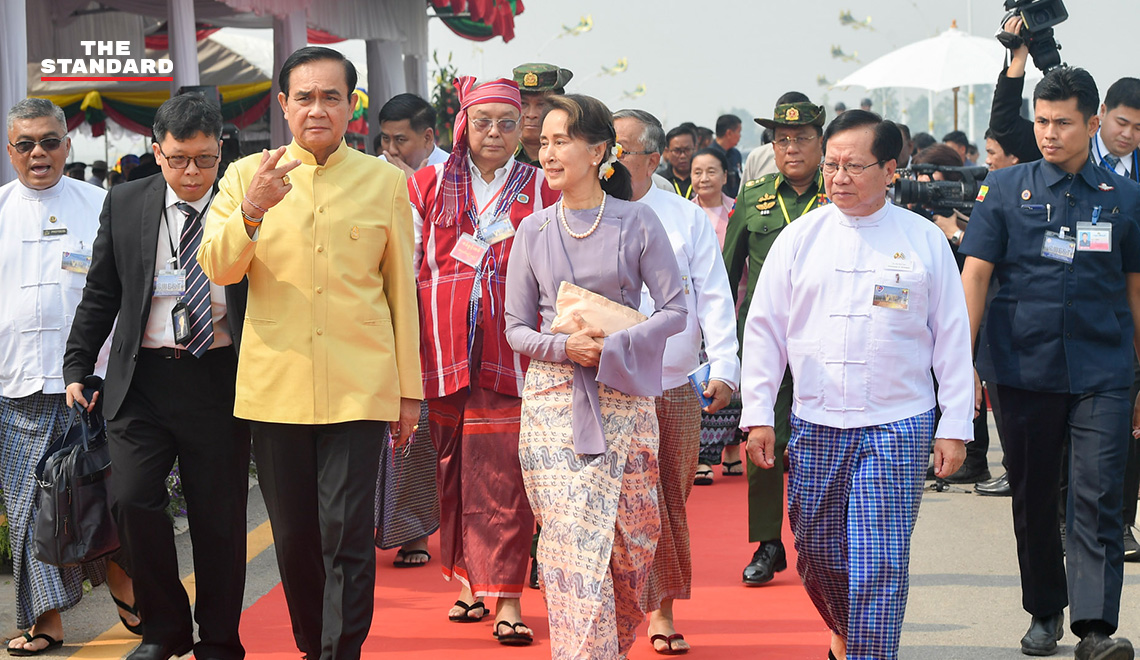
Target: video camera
939 197
1038 18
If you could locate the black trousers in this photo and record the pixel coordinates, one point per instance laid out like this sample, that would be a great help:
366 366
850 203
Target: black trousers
319 483
183 409
1034 425
1132 469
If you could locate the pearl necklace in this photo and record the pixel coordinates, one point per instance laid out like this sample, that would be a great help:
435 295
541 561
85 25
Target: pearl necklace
592 229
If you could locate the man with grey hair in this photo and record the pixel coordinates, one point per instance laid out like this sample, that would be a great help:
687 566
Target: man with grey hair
47 225
711 318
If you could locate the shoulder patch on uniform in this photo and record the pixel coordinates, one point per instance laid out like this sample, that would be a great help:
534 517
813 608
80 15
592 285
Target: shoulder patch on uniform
982 194
754 182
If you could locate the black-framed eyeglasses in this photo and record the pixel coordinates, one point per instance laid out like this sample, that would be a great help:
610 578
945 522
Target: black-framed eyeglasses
204 162
26 146
783 144
681 151
483 124
852 169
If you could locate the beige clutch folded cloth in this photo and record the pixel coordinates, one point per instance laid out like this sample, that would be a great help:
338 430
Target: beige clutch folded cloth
596 310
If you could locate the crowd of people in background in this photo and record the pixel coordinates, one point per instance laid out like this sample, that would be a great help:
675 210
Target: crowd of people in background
571 315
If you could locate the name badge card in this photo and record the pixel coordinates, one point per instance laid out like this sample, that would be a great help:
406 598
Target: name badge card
893 297
469 250
1094 237
77 261
498 231
169 283
1058 247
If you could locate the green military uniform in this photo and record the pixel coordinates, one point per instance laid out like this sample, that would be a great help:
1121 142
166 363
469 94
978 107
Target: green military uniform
764 207
538 78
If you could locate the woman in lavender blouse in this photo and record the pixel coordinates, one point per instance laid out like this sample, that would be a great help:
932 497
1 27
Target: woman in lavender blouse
588 439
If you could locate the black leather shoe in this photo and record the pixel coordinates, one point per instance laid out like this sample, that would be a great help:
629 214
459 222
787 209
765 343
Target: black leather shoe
1131 547
160 651
969 475
1043 633
998 487
1097 646
768 559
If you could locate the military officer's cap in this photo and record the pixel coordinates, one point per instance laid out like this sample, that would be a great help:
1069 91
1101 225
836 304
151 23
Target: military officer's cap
795 114
536 77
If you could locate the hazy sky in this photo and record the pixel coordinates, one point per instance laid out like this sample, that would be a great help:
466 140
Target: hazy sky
698 59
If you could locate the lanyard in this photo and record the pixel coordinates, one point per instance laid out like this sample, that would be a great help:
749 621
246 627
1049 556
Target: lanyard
1134 174
678 189
175 257
787 218
494 197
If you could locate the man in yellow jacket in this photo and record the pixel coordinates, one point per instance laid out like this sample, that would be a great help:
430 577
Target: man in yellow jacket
330 350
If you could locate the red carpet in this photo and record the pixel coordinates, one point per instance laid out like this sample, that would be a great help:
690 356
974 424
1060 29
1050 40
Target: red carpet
723 619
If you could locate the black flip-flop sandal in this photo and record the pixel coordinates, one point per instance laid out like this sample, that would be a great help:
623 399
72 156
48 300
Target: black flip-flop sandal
513 638
727 469
136 629
401 560
51 644
704 477
466 616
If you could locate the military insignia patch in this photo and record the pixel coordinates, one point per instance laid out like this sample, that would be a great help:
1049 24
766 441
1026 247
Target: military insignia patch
792 115
1026 195
530 80
767 198
982 194
765 206
1104 187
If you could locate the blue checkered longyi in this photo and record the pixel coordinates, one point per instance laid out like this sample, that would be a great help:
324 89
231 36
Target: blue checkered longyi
853 498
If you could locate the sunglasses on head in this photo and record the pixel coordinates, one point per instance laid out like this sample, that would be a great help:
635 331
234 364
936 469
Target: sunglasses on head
25 146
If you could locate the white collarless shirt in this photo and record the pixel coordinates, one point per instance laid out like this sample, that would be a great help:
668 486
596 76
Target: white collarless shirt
855 363
37 297
711 312
159 332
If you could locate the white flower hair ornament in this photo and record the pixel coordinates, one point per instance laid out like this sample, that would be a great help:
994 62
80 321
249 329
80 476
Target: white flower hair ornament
606 169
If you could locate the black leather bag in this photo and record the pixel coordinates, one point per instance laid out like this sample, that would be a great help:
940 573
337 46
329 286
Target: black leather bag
74 524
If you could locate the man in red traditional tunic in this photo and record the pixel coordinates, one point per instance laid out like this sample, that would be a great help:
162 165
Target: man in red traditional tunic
465 213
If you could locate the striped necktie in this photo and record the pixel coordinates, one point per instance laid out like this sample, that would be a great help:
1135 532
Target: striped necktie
1110 162
197 297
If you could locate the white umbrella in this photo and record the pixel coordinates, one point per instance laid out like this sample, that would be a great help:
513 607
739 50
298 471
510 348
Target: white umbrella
948 61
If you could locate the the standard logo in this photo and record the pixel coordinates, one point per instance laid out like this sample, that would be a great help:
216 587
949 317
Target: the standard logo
106 57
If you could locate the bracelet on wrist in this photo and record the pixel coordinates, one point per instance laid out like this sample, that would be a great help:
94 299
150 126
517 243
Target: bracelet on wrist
249 220
255 205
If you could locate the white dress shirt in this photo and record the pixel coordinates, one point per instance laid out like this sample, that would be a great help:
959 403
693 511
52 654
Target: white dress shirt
37 297
1100 150
159 331
707 294
484 192
854 363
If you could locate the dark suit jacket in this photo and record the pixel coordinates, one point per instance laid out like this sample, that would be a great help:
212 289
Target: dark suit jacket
120 284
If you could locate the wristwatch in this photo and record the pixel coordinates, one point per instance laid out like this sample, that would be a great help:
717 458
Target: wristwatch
956 239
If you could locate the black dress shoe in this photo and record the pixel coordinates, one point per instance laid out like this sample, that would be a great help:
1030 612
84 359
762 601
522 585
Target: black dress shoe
146 651
1043 633
1131 547
998 487
1098 646
768 559
969 475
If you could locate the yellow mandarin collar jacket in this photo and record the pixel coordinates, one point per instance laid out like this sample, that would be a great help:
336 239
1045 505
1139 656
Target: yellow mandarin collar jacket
331 330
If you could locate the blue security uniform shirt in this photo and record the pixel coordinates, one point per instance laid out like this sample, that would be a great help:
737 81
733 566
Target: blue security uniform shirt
1053 326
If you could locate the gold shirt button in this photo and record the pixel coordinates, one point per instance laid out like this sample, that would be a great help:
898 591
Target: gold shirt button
320 289
320 248
320 332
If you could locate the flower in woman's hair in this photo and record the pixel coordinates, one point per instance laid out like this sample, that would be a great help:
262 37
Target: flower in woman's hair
608 173
617 150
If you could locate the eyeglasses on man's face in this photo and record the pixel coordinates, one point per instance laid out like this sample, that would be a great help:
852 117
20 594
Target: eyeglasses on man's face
182 162
483 124
26 146
852 169
783 144
681 151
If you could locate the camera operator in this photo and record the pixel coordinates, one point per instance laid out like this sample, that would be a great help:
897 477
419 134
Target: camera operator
1007 126
953 224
